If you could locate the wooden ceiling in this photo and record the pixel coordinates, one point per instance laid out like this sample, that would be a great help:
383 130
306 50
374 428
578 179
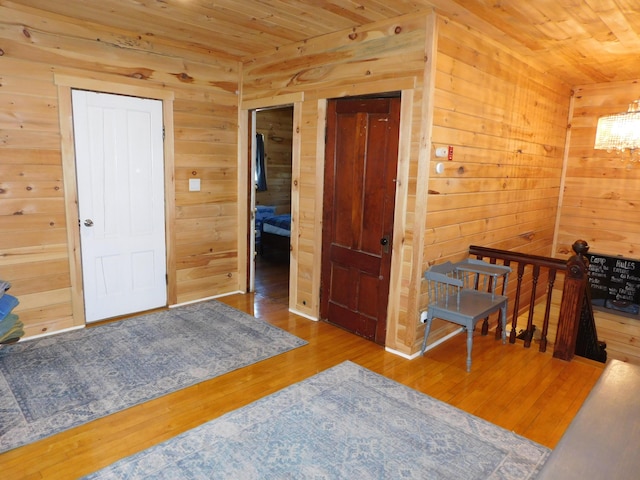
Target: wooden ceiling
580 41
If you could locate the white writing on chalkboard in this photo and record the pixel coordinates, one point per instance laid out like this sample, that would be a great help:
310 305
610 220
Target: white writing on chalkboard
615 282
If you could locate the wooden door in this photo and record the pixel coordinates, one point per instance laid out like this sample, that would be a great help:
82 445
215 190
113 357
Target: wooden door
360 174
120 171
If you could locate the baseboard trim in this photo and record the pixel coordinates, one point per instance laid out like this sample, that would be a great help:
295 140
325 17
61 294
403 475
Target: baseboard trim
205 299
429 347
308 317
49 334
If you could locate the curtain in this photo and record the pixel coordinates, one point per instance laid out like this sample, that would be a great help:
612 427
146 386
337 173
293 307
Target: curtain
261 174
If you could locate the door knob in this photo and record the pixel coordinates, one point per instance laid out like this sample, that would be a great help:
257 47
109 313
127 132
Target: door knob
384 241
88 222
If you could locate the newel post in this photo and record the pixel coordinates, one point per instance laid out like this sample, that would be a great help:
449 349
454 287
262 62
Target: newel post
575 284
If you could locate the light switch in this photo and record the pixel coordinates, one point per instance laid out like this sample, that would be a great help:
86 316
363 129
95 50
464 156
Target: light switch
194 184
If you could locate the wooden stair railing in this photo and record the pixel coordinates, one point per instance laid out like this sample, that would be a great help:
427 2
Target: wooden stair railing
575 317
576 325
519 263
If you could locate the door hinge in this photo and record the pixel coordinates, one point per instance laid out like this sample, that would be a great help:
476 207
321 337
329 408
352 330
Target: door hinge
163 133
166 278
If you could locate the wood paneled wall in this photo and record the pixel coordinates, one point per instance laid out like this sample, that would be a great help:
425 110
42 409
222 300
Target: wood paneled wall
601 200
34 245
505 120
601 195
381 57
507 125
277 127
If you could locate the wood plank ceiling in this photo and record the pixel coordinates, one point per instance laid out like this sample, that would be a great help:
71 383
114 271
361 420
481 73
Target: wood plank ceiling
580 41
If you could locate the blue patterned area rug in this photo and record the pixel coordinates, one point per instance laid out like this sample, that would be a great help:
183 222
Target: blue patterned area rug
344 423
54 383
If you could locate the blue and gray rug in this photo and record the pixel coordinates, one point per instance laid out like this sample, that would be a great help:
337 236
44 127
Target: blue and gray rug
344 423
54 383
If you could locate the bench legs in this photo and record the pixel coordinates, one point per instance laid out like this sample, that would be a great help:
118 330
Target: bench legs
426 334
469 341
469 346
503 321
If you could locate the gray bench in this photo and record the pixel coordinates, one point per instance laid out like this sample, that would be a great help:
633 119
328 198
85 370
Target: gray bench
464 293
603 439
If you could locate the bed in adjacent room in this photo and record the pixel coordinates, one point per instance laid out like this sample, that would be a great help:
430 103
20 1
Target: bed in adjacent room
273 232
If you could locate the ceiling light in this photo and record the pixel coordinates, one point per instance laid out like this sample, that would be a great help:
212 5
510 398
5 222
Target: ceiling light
620 131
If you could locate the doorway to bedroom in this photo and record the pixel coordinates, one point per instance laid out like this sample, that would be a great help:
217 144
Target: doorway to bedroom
272 201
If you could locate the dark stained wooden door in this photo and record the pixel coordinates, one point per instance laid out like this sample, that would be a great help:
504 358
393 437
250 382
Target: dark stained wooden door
360 174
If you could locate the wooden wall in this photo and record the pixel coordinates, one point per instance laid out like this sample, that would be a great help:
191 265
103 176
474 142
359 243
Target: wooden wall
507 125
380 57
601 200
36 241
505 120
601 195
277 127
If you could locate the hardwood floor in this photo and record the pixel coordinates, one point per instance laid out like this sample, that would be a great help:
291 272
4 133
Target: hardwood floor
272 280
519 389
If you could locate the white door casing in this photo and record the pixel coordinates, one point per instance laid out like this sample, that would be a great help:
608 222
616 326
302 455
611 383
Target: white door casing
120 174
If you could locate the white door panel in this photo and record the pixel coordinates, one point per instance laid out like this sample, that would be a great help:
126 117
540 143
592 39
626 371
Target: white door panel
120 170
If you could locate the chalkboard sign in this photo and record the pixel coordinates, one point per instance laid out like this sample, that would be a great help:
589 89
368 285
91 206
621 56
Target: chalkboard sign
615 283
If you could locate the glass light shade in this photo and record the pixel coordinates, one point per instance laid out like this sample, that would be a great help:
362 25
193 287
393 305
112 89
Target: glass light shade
620 131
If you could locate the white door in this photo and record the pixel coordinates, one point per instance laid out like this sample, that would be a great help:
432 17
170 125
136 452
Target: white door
120 172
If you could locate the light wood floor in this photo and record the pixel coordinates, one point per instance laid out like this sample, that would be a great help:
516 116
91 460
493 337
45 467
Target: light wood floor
519 389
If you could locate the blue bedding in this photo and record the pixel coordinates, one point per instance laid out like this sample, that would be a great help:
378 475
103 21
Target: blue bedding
280 222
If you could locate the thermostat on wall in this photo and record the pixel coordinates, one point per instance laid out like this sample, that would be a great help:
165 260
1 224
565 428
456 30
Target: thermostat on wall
441 152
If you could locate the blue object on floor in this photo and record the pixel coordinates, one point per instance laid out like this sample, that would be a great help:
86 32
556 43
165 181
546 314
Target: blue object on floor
7 303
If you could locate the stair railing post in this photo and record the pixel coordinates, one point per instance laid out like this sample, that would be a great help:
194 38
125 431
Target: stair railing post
575 283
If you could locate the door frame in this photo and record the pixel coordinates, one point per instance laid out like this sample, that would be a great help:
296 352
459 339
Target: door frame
253 130
65 83
406 88
113 284
246 198
325 266
251 205
395 301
